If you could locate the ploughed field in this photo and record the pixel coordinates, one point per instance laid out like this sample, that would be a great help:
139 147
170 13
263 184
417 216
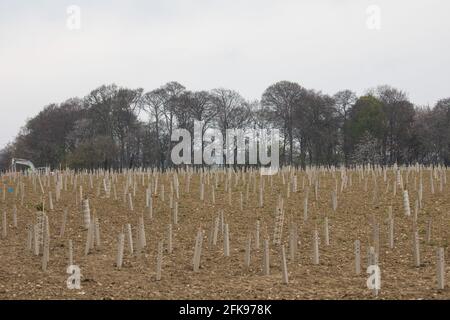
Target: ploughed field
224 234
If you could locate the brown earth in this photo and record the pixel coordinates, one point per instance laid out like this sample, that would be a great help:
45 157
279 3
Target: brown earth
220 277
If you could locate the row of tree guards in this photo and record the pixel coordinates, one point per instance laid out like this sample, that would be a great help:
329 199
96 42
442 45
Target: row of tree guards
240 190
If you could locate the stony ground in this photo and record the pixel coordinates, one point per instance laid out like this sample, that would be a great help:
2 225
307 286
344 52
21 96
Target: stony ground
220 277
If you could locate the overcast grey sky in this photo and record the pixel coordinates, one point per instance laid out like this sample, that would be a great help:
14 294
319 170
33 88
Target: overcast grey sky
242 45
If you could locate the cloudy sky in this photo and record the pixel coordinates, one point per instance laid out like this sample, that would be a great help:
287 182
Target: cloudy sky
244 45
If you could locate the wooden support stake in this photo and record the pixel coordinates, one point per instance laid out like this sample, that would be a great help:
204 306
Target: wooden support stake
216 231
130 202
86 214
241 201
70 253
120 249
46 246
391 233
130 238
50 200
36 237
202 192
284 266
175 214
406 203
261 197
315 247
257 241
440 264
30 237
305 209
159 260
416 248
169 239
293 241
89 239
96 230
226 242
198 250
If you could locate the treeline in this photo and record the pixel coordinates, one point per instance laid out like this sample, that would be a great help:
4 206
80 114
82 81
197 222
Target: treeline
116 127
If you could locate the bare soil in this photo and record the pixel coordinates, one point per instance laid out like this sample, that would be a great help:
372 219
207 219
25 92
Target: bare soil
220 277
